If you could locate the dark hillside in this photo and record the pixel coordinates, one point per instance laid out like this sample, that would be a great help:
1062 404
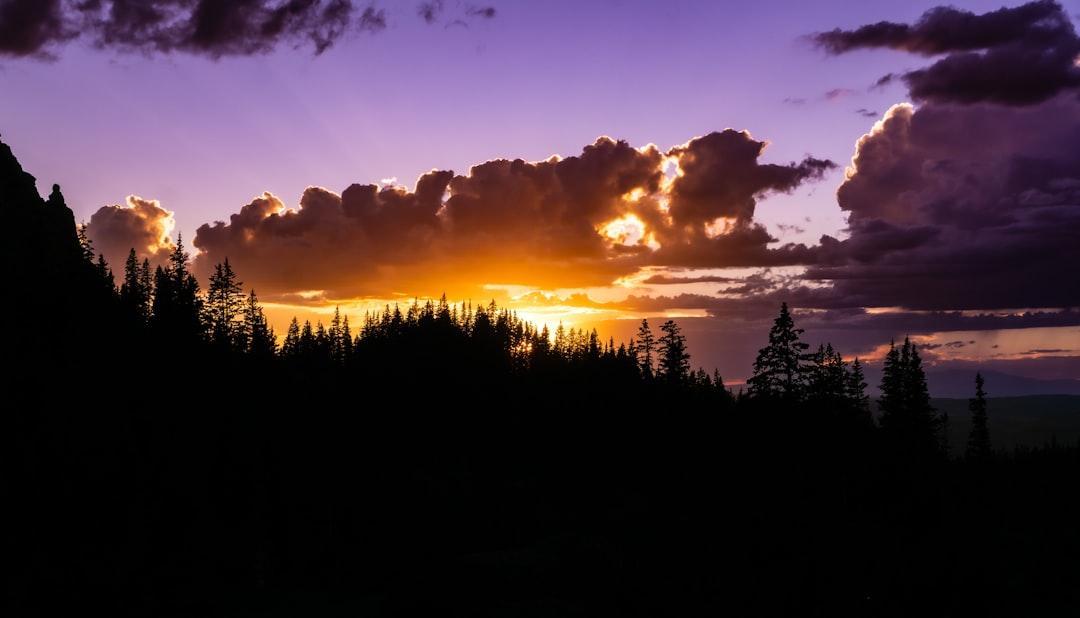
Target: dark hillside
1032 421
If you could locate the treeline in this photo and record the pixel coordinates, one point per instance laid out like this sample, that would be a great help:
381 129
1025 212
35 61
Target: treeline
434 349
431 348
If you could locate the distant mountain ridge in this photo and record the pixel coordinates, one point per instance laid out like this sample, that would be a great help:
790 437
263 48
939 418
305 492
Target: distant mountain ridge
960 383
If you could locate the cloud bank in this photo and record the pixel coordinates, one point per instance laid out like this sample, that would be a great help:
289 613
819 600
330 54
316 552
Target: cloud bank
569 222
213 28
971 199
1013 56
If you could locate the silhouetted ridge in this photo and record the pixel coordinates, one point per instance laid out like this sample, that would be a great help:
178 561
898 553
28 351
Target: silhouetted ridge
58 305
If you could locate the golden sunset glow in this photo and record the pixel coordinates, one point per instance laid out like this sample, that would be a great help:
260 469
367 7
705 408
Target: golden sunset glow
720 226
627 230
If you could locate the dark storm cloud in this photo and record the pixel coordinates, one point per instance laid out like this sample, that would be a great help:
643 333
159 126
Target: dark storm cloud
1014 56
943 29
961 207
545 224
29 27
213 28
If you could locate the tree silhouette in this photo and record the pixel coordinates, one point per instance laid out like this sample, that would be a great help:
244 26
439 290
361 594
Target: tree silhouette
906 414
224 309
855 394
644 349
978 445
674 361
136 292
177 308
827 378
259 337
290 346
779 368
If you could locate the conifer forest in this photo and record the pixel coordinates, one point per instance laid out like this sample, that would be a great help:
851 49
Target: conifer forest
167 452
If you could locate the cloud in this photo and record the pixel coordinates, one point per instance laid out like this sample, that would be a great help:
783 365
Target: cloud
213 28
577 221
674 280
961 207
970 200
29 27
1014 56
486 12
840 93
722 178
141 224
429 11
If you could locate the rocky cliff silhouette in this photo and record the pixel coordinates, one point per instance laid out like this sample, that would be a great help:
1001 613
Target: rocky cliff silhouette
58 309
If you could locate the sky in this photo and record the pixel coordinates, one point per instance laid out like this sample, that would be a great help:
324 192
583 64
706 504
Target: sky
887 170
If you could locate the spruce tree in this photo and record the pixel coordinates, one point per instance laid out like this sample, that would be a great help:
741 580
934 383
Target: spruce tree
673 359
779 369
259 336
290 347
858 401
644 349
978 445
177 308
224 308
136 290
906 413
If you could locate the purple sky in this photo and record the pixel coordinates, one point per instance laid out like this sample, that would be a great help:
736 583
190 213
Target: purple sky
962 214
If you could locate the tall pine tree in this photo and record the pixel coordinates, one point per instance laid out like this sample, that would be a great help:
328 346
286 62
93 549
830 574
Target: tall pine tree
644 349
978 445
224 309
906 414
673 359
779 369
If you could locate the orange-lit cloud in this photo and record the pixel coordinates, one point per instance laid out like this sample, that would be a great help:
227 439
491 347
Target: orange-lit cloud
141 224
569 222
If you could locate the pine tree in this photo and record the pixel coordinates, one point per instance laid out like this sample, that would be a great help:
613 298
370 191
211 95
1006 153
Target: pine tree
290 347
86 247
779 369
177 308
673 360
259 336
340 339
224 308
644 348
136 290
858 401
827 379
906 413
978 445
